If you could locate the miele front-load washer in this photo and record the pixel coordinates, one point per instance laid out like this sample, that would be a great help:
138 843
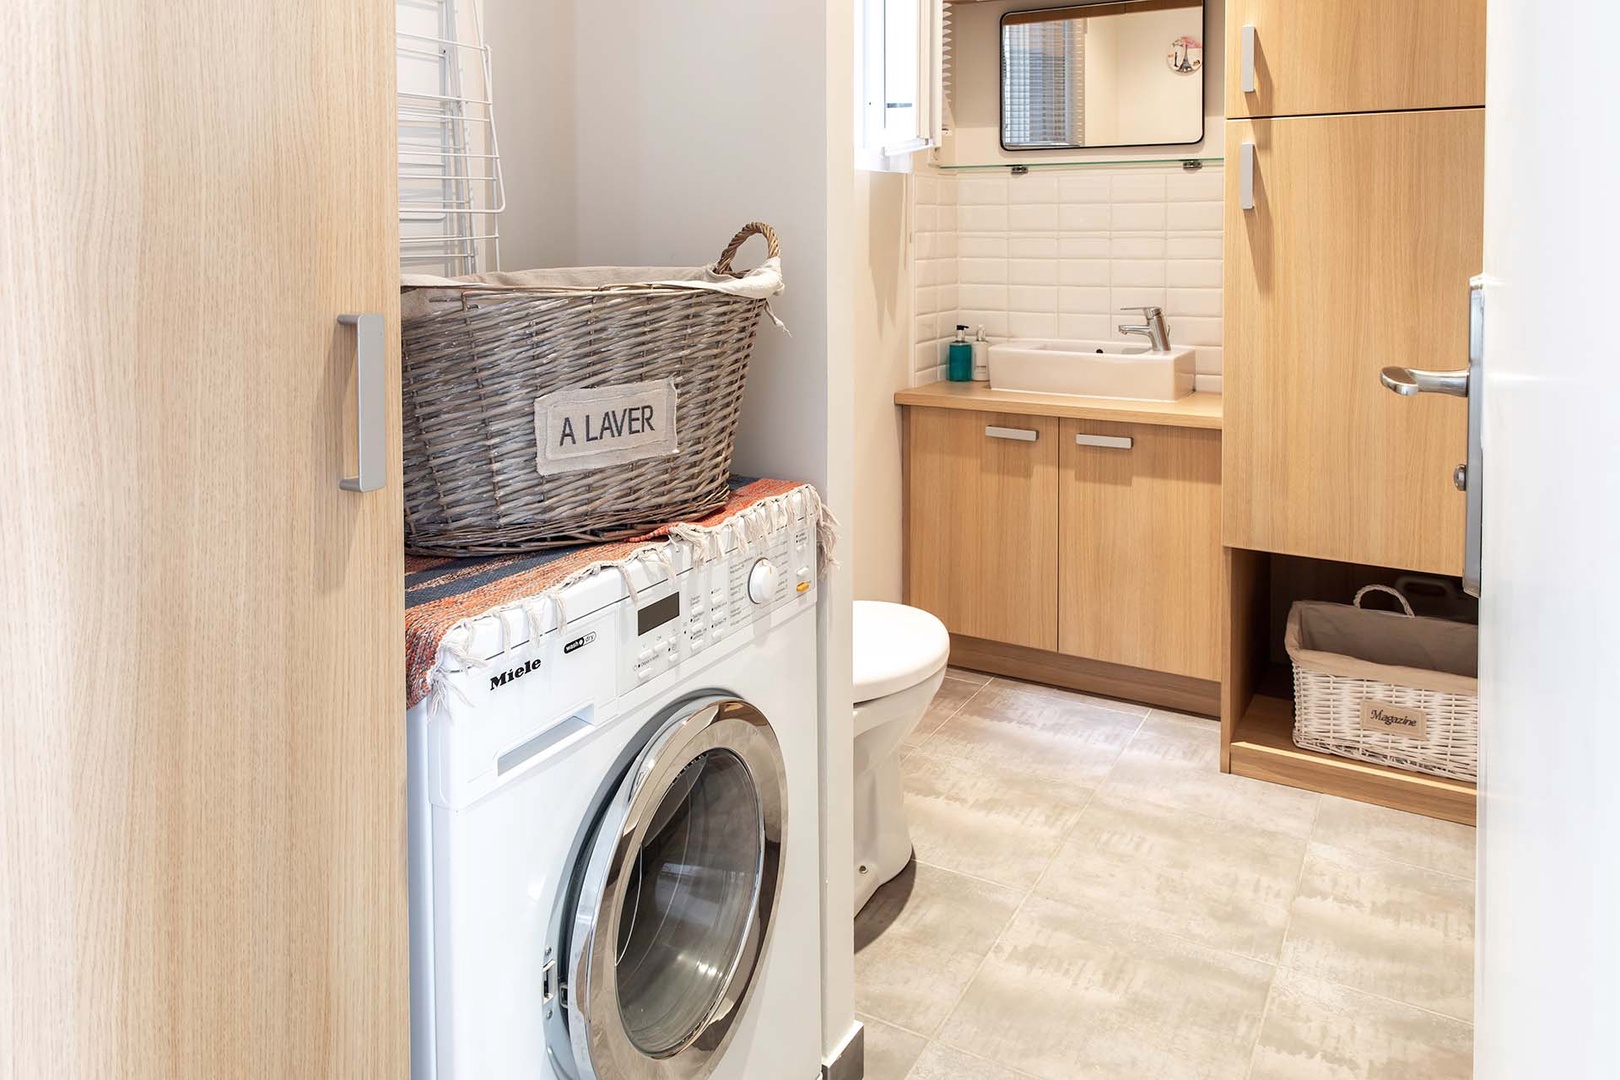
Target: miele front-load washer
614 829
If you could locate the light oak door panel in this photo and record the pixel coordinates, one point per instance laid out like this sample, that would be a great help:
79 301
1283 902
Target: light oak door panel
1314 57
1139 562
202 855
981 523
1357 255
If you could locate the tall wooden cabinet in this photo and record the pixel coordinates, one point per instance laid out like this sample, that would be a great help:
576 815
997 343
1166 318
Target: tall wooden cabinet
1356 255
1349 242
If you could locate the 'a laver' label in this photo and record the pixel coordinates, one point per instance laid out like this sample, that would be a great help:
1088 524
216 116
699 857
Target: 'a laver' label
605 425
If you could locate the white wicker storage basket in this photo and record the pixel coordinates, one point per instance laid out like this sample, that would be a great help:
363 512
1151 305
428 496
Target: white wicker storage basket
1387 687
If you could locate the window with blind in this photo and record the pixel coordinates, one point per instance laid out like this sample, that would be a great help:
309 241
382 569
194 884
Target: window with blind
1043 83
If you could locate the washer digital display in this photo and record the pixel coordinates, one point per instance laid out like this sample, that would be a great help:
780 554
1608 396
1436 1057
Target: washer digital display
658 613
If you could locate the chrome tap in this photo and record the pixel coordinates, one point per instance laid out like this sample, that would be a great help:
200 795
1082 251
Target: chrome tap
1152 328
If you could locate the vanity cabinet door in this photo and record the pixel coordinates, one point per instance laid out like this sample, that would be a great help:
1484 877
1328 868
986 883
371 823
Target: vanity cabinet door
981 523
1356 255
1139 510
1338 56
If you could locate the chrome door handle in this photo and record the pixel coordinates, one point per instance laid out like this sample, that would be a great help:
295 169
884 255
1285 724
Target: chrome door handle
371 402
1246 76
1409 381
1246 176
1469 477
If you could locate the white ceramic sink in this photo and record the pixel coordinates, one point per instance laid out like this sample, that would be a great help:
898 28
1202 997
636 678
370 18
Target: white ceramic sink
1112 369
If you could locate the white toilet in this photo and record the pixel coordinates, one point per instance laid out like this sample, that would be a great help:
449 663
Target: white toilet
900 655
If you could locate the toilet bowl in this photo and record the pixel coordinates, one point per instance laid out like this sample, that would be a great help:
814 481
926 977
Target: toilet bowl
900 656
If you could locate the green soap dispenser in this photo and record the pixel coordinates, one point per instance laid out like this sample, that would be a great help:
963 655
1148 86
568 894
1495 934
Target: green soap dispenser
960 365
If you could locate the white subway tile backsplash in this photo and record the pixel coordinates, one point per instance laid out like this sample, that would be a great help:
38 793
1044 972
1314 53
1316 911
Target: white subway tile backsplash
1137 272
1084 187
1032 271
982 271
1192 216
1137 217
1032 324
1137 186
1033 188
1202 303
1083 217
1032 247
1040 217
983 297
1062 253
1089 301
977 218
1082 271
1032 298
1192 273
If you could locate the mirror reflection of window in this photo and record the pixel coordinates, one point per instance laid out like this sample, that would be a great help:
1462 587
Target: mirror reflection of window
1096 74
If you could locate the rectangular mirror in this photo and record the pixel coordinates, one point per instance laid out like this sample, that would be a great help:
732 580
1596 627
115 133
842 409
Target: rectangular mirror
1103 73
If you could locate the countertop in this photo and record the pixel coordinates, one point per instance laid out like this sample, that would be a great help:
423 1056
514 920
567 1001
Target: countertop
1200 410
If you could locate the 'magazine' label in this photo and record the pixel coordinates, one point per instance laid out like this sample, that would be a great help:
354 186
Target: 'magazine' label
1394 720
605 425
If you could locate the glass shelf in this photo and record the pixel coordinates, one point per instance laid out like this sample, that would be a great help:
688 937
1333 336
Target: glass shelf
1090 163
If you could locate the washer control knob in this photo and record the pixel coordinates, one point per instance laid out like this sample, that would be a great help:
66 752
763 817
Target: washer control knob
762 582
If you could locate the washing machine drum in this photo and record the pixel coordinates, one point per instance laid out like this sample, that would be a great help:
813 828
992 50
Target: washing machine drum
675 902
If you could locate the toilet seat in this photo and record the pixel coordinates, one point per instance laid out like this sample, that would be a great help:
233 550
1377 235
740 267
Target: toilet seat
896 648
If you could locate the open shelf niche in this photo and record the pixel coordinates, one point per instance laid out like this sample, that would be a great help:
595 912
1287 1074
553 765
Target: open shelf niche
1257 707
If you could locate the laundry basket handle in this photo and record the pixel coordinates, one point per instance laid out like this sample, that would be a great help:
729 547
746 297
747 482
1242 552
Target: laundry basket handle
753 228
1396 593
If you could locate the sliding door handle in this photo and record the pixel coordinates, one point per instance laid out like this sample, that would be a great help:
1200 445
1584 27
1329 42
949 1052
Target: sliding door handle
1410 381
371 402
1246 176
1246 76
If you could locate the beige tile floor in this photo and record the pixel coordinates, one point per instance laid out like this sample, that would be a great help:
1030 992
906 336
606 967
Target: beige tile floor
1091 897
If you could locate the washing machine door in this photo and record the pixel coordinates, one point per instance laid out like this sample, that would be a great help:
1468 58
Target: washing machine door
677 899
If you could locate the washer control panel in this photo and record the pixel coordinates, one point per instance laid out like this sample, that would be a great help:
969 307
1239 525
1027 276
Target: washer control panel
714 600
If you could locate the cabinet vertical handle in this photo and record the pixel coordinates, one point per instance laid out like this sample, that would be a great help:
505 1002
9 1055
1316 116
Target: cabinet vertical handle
1246 176
371 402
1246 71
1020 434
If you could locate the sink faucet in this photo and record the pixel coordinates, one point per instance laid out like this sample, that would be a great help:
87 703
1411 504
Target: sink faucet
1152 328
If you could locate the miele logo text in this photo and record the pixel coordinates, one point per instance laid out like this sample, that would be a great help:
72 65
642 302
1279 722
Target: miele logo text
580 642
498 681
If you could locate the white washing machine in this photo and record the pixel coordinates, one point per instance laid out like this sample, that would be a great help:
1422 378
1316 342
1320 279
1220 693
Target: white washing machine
614 831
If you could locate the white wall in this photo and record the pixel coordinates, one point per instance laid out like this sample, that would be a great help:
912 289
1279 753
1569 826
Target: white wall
646 134
976 104
534 101
883 349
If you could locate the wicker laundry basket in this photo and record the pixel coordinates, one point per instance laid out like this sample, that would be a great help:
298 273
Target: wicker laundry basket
552 407
1388 687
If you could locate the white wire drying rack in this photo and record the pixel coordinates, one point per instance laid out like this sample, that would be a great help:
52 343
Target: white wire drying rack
450 190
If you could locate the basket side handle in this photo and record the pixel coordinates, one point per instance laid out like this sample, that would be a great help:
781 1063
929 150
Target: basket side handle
1396 593
753 228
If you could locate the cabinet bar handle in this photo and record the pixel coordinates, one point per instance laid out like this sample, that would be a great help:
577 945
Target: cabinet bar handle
371 402
1021 434
1111 442
1247 70
1246 176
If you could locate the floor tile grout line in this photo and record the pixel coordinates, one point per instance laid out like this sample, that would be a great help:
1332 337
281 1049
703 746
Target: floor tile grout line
1128 708
1385 998
1471 878
918 745
1020 1073
1260 1028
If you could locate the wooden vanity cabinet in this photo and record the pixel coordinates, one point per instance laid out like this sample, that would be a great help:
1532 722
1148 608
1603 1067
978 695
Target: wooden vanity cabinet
1356 255
981 523
1339 56
1139 528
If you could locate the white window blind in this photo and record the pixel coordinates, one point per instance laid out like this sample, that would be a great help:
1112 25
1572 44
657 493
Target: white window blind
1044 83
